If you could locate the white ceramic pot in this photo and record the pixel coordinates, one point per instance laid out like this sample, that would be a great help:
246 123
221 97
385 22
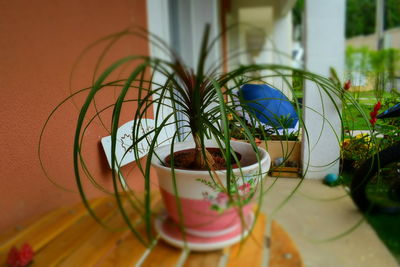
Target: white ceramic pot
207 210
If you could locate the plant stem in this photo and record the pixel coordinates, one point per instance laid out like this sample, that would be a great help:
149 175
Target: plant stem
201 162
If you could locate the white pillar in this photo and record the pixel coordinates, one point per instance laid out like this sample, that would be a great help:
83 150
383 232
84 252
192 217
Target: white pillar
283 41
282 37
158 21
191 17
324 48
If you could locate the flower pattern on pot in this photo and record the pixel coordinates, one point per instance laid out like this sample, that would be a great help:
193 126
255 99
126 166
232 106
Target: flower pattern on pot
242 193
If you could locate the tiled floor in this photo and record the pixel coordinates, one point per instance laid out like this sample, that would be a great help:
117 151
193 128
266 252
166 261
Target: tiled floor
325 224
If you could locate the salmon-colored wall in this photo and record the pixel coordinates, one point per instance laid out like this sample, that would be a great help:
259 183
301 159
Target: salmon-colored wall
39 42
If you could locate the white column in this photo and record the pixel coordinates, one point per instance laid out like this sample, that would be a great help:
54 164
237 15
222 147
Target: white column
159 24
282 37
192 16
283 41
324 48
203 12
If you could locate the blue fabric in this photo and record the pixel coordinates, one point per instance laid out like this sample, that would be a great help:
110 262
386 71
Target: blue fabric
269 105
391 112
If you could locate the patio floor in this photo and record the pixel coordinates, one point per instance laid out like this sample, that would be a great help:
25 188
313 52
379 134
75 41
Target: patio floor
317 213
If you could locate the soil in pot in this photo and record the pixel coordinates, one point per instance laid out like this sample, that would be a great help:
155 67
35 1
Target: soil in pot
185 159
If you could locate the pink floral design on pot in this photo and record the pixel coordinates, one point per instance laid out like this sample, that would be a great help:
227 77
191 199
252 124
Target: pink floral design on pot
219 199
244 189
222 198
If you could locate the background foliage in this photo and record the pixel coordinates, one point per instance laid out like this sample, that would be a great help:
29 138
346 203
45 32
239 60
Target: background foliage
360 16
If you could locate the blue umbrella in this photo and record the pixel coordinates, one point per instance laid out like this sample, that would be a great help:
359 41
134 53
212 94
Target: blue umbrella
269 105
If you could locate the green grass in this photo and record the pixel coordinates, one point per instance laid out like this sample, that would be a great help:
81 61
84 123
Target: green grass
353 120
388 229
368 97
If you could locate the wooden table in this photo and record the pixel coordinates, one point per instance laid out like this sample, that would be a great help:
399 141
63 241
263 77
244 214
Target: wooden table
70 237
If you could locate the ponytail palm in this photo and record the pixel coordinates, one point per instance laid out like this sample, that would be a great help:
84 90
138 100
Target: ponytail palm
203 97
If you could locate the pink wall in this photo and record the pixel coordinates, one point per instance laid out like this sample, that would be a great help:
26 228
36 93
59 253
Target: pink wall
39 43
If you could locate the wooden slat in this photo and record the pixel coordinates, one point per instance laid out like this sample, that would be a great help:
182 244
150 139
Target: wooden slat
250 251
12 233
204 259
100 241
98 244
163 255
39 234
283 251
11 236
129 250
126 253
73 237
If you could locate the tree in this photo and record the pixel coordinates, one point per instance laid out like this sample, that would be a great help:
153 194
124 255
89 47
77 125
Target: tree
392 14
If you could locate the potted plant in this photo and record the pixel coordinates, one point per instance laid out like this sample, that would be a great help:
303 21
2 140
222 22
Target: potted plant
355 150
284 151
207 181
275 124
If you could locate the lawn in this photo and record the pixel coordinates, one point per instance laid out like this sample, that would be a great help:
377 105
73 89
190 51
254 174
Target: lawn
387 226
354 120
352 117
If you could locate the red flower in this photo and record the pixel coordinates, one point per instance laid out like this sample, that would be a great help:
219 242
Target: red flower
13 257
20 258
372 121
26 254
377 106
347 85
374 113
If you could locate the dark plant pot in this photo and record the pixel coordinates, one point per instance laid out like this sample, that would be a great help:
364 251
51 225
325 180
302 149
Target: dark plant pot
347 164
